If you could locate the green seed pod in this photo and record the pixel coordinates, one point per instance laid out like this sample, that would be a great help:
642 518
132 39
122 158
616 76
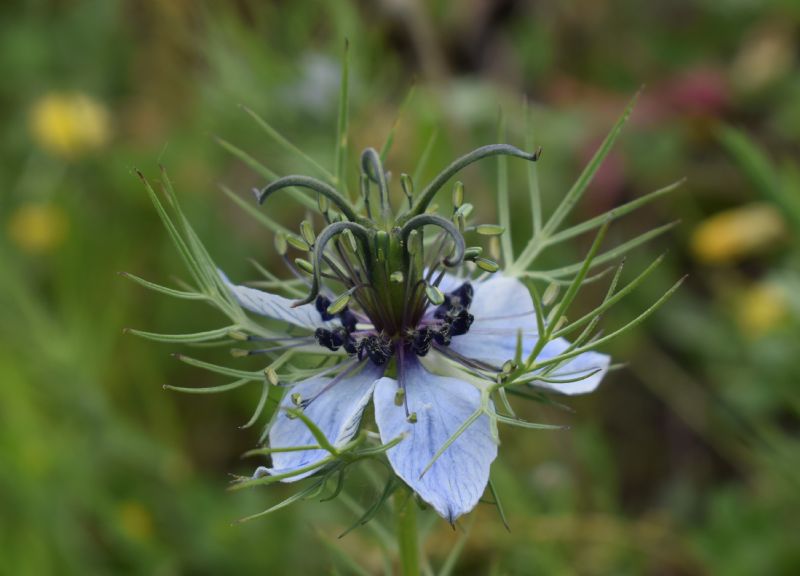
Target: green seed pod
299 243
280 244
472 252
271 375
487 265
550 294
489 230
350 243
304 265
407 184
494 247
411 243
435 295
460 222
458 195
339 304
465 209
323 203
396 277
307 232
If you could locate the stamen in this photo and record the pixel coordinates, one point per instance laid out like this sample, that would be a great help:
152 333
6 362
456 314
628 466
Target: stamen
468 362
377 347
446 225
304 403
327 234
240 353
453 318
401 368
373 168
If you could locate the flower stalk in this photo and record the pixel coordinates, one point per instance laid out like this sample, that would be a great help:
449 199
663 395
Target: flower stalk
405 517
424 328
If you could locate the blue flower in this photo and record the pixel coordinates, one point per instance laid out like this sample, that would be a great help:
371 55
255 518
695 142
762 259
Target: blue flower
437 355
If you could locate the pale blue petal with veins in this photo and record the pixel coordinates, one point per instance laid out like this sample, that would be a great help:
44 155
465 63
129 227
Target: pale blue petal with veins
335 408
274 306
457 479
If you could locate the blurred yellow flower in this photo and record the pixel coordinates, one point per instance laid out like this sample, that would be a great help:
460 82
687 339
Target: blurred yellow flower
69 125
766 55
135 520
38 228
738 232
761 308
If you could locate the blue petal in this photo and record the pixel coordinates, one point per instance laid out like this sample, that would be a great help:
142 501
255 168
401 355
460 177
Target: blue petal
590 367
274 306
336 409
502 306
457 479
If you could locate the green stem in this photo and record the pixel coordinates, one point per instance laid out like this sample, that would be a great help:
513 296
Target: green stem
405 510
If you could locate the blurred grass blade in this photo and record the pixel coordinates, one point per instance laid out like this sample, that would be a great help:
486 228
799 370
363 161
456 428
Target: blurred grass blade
388 489
336 550
267 174
503 206
612 214
340 167
533 176
387 145
422 163
284 143
760 171
252 209
381 533
576 192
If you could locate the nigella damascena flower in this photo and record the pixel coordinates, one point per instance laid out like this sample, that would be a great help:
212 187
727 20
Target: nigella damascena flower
419 332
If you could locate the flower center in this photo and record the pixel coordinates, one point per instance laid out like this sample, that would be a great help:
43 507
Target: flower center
450 318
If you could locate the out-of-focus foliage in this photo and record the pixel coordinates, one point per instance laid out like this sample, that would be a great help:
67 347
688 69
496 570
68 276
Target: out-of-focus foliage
685 462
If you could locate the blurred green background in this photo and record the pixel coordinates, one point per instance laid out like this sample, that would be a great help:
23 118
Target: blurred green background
685 461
